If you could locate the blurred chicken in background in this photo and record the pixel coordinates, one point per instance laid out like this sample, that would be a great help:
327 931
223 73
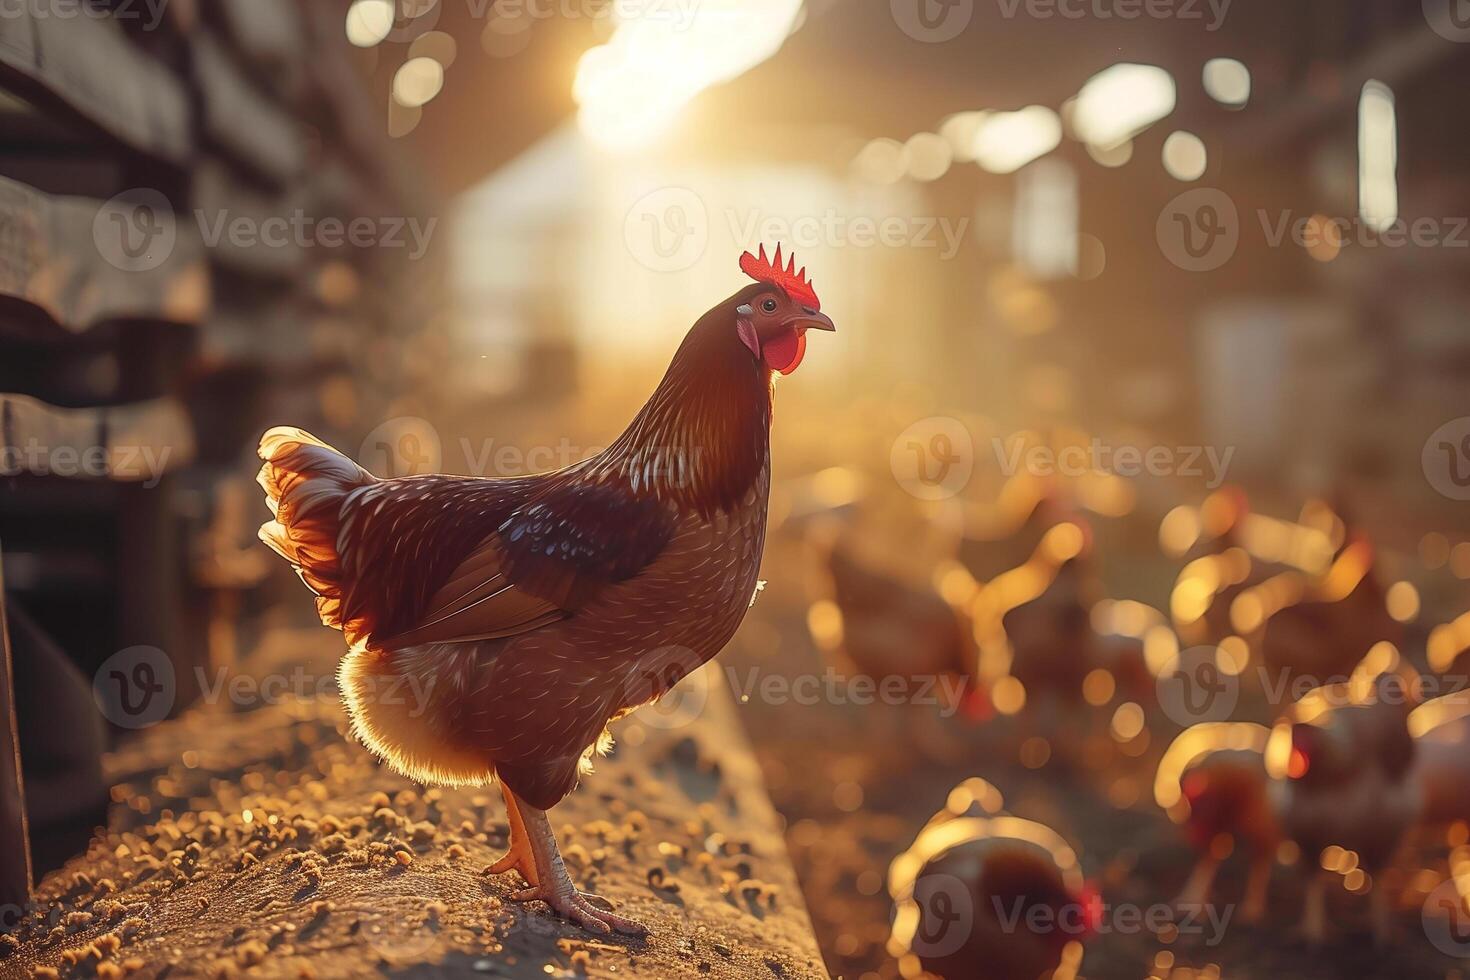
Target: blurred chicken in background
1441 774
1033 628
1231 551
984 894
1132 644
994 538
1213 780
1343 762
876 625
1318 627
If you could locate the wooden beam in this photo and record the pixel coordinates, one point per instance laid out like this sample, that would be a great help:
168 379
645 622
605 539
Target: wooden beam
136 443
87 65
15 855
74 258
242 121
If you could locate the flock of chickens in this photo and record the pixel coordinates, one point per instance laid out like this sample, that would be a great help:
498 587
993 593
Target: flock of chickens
1333 758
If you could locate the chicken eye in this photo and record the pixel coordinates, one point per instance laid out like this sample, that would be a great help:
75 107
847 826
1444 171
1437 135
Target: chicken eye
769 305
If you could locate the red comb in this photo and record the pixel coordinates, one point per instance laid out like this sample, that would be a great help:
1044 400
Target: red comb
795 283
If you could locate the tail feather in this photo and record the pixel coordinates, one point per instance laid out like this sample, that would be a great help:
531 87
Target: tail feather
306 483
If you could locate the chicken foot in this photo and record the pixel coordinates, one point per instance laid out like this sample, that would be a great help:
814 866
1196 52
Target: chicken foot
553 885
520 856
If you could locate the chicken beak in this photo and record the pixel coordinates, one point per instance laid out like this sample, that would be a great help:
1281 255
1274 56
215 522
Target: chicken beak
811 319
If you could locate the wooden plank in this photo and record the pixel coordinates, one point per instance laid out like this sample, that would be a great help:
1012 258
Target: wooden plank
268 33
17 39
15 856
88 65
241 121
83 262
135 443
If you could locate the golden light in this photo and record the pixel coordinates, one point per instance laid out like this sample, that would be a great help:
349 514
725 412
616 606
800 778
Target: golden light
1098 687
369 22
1460 560
1063 542
955 584
1434 550
1323 237
960 130
929 156
1196 742
824 622
1111 156
1120 102
1403 601
1179 530
1008 695
1378 157
1185 156
631 88
881 161
1228 82
1160 650
1233 655
1446 643
437 45
417 82
1007 141
1127 721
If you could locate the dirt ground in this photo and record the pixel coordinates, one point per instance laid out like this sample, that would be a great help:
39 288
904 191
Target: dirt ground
265 843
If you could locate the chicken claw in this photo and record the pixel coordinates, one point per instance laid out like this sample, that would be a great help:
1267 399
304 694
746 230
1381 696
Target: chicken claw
553 885
576 906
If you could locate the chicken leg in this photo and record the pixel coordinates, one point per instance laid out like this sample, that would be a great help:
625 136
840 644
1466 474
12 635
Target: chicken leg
520 857
1196 893
1314 918
551 883
1256 886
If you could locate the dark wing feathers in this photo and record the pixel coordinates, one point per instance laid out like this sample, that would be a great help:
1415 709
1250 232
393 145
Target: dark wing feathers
444 559
574 538
402 540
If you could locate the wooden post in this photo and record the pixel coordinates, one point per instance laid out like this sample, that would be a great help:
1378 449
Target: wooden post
15 845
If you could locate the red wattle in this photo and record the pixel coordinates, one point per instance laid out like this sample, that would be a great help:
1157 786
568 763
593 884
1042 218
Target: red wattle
784 352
